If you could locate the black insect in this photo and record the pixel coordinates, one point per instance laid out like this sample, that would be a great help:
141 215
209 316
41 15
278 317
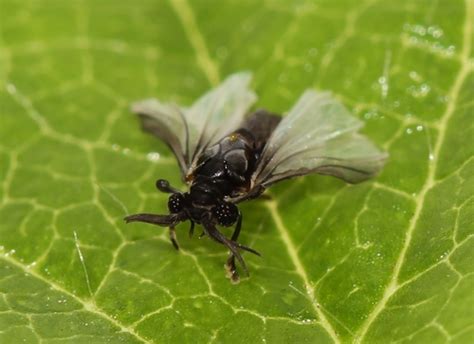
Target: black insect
227 156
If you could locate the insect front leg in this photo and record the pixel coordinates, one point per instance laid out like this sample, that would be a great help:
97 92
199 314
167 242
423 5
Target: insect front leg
160 220
230 264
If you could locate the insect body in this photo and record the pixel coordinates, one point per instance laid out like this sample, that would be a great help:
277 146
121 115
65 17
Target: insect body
227 157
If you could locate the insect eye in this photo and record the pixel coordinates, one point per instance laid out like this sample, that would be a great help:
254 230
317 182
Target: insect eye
175 203
226 213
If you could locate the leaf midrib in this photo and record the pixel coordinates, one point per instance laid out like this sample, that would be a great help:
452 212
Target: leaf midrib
466 68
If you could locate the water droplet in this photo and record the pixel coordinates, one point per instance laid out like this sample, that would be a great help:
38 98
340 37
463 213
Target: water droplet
415 76
312 52
308 67
11 88
409 131
419 128
197 304
383 84
435 31
153 156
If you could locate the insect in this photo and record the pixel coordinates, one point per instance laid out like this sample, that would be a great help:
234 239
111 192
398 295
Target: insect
228 155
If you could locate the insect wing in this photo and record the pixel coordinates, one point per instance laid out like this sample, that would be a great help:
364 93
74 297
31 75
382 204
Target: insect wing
318 135
218 113
189 131
167 122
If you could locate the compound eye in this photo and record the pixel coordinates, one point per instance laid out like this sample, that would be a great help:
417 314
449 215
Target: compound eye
175 203
226 213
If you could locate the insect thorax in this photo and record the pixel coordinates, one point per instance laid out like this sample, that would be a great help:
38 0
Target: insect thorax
225 168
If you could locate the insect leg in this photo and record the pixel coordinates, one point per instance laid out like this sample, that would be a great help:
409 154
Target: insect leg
164 186
220 238
236 233
191 229
160 220
230 264
173 239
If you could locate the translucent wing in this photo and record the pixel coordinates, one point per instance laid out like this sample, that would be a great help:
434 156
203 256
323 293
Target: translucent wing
217 113
167 122
320 136
188 131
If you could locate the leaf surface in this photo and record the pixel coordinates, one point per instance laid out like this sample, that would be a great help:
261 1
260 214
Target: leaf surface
387 260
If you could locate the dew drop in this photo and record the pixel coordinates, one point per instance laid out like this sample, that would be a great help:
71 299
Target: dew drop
197 304
409 131
11 88
435 31
419 128
308 67
415 76
312 52
153 156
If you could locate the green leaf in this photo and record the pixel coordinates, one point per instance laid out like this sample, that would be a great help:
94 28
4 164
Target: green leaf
387 260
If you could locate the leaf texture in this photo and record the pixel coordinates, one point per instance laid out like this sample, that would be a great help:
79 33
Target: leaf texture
388 260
